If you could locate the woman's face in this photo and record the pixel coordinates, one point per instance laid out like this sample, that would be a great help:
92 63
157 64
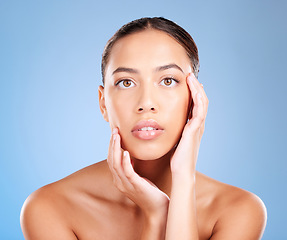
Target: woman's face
146 94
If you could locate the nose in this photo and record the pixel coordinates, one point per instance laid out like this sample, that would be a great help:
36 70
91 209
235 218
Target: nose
147 101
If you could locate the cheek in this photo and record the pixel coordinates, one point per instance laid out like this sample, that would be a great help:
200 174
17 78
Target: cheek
177 105
178 115
119 111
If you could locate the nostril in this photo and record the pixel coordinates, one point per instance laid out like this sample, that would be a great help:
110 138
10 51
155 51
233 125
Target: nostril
142 109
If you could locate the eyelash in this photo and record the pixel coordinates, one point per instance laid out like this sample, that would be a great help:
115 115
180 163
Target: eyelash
117 83
168 78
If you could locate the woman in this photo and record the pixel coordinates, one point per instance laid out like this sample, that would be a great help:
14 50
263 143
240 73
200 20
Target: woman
148 188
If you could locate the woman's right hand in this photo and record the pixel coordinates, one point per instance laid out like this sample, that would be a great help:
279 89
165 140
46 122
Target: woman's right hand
151 200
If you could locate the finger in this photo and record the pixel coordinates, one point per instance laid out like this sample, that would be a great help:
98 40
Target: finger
198 111
197 84
204 99
200 89
131 175
198 107
200 114
117 156
134 179
118 166
116 178
110 158
129 172
194 92
192 86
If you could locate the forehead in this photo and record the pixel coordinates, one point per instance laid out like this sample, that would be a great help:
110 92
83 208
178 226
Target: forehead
147 50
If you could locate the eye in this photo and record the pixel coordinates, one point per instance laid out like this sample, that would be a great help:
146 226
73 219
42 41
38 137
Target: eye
169 82
125 83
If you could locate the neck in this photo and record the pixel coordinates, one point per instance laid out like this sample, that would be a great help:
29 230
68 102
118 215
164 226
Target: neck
157 171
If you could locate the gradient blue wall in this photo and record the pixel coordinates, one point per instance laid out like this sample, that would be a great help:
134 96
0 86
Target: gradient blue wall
50 124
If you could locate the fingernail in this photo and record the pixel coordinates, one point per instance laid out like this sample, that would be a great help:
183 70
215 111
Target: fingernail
125 153
114 131
114 137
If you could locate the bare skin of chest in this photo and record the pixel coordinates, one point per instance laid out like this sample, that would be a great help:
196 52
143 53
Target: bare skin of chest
106 221
80 209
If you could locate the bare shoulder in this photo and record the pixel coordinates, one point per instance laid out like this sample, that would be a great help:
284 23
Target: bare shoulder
46 213
240 214
42 218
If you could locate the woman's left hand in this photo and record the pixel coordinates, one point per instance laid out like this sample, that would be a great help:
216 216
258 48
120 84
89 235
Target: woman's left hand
182 222
184 158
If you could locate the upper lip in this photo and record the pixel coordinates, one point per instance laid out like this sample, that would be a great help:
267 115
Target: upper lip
147 123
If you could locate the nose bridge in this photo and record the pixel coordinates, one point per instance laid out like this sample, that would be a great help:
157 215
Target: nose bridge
147 97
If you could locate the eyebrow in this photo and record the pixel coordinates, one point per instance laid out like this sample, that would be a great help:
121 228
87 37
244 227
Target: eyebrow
168 66
158 69
124 69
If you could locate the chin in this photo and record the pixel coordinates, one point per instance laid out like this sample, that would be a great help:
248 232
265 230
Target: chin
147 153
147 157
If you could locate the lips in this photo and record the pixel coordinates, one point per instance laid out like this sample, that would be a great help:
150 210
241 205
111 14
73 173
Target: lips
147 130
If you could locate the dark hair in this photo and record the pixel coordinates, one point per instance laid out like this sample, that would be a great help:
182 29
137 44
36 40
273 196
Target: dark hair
158 23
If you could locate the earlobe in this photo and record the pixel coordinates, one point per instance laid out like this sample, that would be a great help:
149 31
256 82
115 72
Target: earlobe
102 103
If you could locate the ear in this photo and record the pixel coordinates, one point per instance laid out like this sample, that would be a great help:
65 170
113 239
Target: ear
102 103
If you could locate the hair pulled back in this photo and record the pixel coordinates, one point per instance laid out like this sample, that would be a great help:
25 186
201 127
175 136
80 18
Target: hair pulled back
157 23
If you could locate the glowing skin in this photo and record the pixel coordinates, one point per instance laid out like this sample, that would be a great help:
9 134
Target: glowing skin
163 199
146 79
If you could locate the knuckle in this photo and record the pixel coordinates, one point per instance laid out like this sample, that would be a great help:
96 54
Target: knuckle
201 119
115 182
131 179
121 188
197 124
114 167
129 175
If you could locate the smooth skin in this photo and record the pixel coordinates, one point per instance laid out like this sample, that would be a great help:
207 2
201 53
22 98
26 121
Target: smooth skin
146 189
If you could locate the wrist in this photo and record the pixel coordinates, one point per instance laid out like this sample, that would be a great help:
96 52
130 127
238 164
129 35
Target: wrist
157 215
183 176
157 220
183 184
154 226
183 170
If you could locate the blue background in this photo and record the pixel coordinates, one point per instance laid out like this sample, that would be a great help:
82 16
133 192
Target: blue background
50 123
